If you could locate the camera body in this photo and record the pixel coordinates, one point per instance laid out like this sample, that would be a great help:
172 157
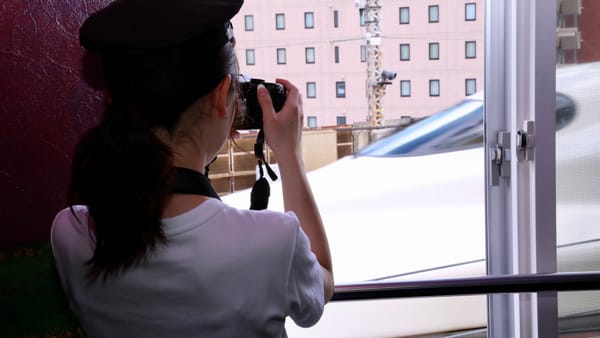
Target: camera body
252 111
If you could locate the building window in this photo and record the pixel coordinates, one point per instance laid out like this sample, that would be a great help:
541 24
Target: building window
362 15
405 88
249 22
340 120
404 52
434 87
312 121
336 19
309 54
363 53
311 90
470 86
470 11
336 54
470 49
250 57
281 56
434 51
434 13
404 15
340 89
279 21
309 20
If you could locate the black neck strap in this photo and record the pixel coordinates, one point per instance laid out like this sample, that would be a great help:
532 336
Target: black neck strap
259 197
188 181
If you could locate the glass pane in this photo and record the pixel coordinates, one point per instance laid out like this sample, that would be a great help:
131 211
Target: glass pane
470 86
405 88
363 53
280 21
404 15
404 52
309 21
470 13
434 87
249 22
311 90
470 51
281 55
434 51
578 156
310 55
434 14
250 57
312 121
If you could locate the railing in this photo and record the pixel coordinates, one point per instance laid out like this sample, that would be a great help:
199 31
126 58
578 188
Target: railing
469 286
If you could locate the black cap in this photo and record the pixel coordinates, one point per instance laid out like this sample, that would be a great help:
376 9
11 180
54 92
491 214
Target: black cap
138 26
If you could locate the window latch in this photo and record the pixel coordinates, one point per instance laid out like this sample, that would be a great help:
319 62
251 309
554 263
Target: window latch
500 158
525 141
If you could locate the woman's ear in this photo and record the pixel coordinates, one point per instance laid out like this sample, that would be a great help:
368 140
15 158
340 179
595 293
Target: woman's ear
220 96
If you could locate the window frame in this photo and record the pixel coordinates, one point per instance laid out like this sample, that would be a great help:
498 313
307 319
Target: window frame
339 119
400 10
336 54
362 17
310 84
439 90
249 23
363 53
431 44
474 6
306 55
340 85
467 81
402 83
429 13
467 44
407 45
278 21
336 19
250 51
280 52
309 124
306 16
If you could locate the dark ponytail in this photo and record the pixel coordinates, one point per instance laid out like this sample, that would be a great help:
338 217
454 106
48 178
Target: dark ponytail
123 173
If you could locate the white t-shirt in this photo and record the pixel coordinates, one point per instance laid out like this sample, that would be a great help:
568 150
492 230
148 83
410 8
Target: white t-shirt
224 272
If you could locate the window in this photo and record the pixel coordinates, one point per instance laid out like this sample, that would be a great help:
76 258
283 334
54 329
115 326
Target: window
363 53
279 21
281 56
336 19
312 121
340 120
434 51
404 52
311 90
362 14
404 15
434 87
434 13
470 50
309 54
470 11
249 22
336 54
309 20
250 60
404 88
470 86
340 89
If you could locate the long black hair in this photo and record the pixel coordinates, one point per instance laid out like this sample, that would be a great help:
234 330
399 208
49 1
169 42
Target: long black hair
121 170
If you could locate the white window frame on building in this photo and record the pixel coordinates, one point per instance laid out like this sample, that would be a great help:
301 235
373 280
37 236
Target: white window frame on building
250 57
470 49
404 15
340 120
281 56
336 18
470 86
279 21
434 51
405 52
309 20
434 88
336 54
311 121
309 55
249 22
363 53
405 88
470 11
311 90
434 13
340 89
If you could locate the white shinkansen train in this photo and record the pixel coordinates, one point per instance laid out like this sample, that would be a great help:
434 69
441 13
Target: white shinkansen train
411 207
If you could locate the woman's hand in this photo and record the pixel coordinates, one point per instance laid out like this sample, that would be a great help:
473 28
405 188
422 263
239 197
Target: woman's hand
283 129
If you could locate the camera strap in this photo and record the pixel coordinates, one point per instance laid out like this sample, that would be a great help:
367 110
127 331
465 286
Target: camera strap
259 197
188 181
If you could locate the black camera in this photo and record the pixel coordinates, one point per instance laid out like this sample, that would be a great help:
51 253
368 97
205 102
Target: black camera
252 112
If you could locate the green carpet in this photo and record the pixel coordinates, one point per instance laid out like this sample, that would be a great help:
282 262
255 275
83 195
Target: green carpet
32 303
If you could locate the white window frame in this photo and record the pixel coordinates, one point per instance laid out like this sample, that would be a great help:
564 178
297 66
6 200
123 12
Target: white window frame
520 64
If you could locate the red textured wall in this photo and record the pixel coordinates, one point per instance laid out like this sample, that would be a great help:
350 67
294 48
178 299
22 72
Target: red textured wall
590 31
45 106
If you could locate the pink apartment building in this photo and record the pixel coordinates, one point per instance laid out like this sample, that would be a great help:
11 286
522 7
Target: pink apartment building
436 48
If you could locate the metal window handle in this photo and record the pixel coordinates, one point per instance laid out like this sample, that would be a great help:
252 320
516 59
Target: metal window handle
500 158
526 141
